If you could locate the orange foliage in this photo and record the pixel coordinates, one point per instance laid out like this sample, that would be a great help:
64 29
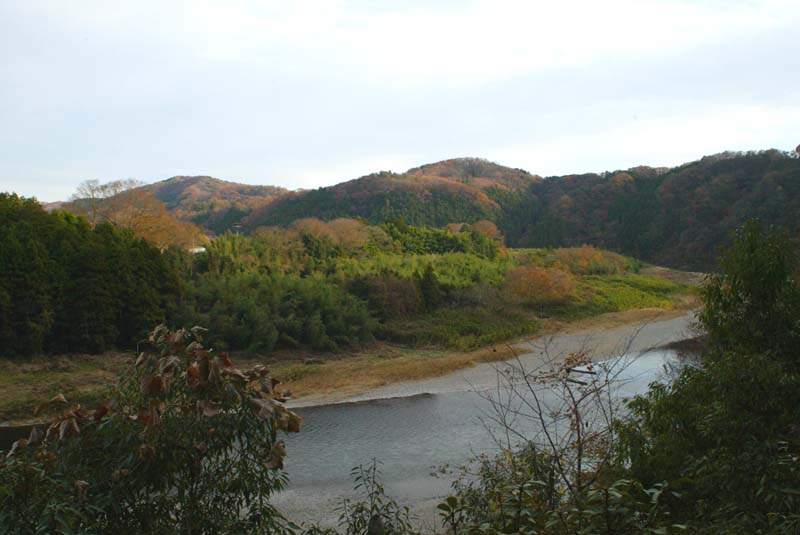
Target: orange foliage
488 228
137 209
540 285
588 259
316 227
350 232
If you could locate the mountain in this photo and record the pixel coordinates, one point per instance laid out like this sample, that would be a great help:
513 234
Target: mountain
677 217
672 216
214 204
457 190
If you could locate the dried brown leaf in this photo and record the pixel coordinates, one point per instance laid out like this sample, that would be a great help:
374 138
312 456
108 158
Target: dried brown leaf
193 373
17 445
63 429
40 407
36 435
100 411
81 489
209 408
276 456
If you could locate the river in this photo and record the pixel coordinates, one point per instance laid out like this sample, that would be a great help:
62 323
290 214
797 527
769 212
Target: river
411 428
414 427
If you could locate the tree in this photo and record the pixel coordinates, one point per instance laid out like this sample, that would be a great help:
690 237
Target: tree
753 304
89 198
488 228
65 286
725 431
149 219
90 192
430 289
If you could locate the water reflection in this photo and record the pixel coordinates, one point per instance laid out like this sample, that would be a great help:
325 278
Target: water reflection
410 436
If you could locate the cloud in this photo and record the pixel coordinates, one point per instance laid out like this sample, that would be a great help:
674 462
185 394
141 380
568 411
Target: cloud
665 140
310 93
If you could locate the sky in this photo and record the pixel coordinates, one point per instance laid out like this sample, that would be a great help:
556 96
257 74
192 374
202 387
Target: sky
306 94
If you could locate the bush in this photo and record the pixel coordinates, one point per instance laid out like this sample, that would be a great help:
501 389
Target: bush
258 312
521 492
534 285
754 303
588 260
388 295
186 443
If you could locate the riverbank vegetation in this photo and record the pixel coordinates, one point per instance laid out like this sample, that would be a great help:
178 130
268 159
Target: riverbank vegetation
69 286
403 301
713 451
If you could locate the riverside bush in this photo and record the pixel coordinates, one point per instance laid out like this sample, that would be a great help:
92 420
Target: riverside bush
185 443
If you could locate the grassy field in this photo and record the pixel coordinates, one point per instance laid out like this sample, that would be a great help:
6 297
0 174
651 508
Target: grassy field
81 378
435 344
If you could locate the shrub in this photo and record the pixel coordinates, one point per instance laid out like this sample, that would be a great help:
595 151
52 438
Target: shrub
388 295
186 443
374 512
535 285
588 260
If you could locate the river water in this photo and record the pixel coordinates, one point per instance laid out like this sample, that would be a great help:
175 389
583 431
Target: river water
414 427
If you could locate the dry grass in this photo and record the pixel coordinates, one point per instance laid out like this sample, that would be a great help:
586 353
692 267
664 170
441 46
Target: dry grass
336 379
379 366
690 278
81 378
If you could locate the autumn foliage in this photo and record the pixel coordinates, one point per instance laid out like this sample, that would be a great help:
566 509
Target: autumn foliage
538 285
588 260
185 443
131 205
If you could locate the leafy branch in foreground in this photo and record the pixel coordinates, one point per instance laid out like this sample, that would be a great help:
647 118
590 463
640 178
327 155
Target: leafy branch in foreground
555 472
372 512
185 443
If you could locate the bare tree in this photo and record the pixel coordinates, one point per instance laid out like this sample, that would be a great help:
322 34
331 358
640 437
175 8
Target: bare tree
562 406
91 196
89 192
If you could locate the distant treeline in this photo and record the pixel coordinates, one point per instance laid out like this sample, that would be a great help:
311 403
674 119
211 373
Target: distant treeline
672 216
68 287
678 217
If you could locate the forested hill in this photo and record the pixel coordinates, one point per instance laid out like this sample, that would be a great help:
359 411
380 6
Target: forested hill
672 216
451 191
210 202
676 217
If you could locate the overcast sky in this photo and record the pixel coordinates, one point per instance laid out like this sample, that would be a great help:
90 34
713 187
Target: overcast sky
307 94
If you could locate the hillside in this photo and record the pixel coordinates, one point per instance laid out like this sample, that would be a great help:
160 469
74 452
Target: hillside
677 217
672 216
457 190
212 203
